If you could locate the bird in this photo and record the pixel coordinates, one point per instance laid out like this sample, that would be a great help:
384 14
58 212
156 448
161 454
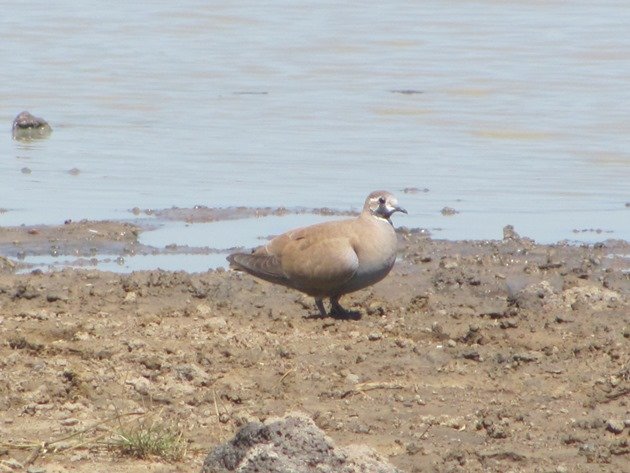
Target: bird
330 259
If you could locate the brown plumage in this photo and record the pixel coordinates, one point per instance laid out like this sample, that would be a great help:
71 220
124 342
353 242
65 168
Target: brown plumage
330 259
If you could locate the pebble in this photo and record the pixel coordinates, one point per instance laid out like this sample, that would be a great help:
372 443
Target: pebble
215 323
79 457
471 355
615 426
449 264
70 421
141 385
528 357
35 469
203 309
508 323
352 378
412 448
375 336
54 297
12 464
151 362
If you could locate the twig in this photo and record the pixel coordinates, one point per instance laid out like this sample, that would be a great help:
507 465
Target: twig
426 430
216 405
285 375
94 426
35 454
216 409
363 387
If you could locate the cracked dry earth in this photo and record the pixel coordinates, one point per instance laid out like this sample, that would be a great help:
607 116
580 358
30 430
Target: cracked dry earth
469 357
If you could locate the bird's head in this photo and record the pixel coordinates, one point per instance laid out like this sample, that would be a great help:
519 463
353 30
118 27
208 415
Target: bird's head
382 204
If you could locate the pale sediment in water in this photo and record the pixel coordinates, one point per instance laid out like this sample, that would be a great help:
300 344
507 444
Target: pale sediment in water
196 239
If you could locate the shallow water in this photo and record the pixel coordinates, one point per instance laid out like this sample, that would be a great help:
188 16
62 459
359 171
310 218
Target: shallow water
191 263
521 116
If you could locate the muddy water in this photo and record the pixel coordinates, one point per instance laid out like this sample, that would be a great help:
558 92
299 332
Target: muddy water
508 112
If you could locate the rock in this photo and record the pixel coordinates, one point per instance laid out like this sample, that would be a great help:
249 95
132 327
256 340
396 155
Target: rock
615 426
593 297
471 355
151 362
416 190
141 385
352 378
412 448
29 127
290 443
56 296
11 465
190 372
24 291
215 323
510 234
537 296
69 421
528 356
35 469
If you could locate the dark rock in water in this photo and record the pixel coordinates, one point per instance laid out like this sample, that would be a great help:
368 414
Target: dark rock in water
29 127
449 211
406 91
290 444
510 234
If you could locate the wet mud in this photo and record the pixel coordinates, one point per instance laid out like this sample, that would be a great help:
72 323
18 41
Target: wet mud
471 356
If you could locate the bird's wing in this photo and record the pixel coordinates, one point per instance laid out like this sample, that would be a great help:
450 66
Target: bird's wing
318 261
315 259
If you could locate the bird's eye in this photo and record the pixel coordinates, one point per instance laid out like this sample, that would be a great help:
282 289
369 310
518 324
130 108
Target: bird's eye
381 200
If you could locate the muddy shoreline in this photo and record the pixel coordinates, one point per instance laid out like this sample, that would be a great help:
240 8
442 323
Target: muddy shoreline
471 356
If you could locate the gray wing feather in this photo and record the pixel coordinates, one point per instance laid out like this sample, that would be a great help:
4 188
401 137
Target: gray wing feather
266 267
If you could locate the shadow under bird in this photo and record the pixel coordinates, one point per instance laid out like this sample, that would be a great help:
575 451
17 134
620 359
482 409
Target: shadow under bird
330 259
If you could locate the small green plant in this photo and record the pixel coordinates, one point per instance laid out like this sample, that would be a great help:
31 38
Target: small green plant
146 440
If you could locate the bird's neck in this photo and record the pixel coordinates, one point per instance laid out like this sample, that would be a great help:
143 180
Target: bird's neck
369 215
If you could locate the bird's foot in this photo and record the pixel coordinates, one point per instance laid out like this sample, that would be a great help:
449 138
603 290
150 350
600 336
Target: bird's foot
338 312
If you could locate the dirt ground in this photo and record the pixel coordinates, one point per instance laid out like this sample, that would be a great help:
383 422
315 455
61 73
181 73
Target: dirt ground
502 356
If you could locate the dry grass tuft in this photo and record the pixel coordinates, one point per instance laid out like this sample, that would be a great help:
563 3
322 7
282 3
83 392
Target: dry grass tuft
145 440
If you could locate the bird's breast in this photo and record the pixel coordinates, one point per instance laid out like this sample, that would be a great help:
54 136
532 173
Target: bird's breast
376 252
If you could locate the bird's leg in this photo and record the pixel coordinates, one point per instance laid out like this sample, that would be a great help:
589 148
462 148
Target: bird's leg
335 307
319 302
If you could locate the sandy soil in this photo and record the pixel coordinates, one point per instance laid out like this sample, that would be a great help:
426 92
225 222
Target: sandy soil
471 356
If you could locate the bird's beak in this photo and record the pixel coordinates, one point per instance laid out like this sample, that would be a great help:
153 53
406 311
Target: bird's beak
399 209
